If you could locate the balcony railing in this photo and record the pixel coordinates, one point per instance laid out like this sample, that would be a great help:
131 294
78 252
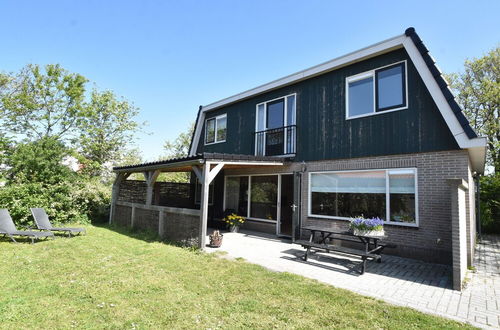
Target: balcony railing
276 141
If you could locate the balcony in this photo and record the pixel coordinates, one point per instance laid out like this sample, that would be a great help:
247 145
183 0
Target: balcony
276 141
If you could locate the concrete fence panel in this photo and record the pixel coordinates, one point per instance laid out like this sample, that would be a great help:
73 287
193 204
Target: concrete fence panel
173 224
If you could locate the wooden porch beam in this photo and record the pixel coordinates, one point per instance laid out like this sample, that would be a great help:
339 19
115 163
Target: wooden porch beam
150 177
198 173
213 173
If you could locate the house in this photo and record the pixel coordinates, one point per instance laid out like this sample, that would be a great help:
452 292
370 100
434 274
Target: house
376 133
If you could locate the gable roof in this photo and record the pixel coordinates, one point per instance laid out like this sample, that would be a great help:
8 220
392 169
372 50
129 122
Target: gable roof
442 83
431 75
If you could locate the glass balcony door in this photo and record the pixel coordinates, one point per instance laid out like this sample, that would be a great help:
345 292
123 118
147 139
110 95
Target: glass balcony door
275 127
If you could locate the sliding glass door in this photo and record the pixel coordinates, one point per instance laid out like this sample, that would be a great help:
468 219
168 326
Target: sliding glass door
265 198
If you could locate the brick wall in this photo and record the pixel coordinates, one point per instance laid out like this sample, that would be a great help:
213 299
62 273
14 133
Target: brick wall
431 240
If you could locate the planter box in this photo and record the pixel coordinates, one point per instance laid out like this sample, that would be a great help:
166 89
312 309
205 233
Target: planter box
370 233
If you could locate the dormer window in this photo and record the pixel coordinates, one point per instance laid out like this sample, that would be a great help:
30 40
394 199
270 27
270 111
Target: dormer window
380 90
216 129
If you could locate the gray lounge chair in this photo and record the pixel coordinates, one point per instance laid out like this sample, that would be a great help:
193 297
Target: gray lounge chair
43 223
8 228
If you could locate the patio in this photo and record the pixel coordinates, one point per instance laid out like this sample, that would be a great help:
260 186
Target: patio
405 282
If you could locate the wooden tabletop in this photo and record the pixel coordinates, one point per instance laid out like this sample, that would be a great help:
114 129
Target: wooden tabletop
345 232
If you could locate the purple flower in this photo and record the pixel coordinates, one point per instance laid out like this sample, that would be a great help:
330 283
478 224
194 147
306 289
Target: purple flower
367 224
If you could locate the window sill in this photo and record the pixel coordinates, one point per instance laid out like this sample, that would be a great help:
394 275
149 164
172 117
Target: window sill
208 144
389 223
375 113
280 156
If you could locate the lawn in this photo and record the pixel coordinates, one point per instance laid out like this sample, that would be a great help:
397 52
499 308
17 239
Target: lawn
118 279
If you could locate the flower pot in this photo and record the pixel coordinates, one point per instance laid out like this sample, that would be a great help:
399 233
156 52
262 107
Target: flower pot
234 229
216 241
369 233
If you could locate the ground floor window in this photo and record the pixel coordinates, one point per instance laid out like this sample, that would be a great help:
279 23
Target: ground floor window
237 195
254 197
387 194
264 197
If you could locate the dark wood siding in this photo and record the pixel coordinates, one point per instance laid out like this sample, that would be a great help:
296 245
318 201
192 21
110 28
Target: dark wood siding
324 133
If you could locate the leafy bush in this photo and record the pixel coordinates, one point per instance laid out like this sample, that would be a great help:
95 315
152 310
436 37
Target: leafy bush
93 199
38 161
63 202
490 204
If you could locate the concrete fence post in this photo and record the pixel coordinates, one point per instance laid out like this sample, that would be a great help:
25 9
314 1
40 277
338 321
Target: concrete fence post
458 231
132 217
161 223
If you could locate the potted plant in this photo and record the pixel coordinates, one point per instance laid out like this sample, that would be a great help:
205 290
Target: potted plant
234 221
367 227
216 239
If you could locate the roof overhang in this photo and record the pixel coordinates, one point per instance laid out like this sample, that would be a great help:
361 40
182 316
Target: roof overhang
477 155
185 164
459 126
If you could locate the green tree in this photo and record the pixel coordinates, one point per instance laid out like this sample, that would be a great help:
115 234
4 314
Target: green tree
490 203
38 103
478 92
39 161
107 126
177 148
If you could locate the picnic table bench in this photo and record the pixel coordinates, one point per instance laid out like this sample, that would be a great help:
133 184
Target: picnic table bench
320 238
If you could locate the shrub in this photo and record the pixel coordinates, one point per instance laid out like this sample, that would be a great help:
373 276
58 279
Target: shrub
93 199
490 204
63 202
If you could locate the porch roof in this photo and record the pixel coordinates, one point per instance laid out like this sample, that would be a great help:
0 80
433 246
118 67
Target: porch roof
184 164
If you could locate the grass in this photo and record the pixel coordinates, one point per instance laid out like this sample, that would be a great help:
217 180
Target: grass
118 279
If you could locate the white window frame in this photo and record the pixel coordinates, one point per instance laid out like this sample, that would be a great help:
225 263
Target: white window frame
285 119
368 74
249 192
215 126
387 193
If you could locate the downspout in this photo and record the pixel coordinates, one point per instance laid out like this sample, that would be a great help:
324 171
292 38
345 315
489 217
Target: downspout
478 203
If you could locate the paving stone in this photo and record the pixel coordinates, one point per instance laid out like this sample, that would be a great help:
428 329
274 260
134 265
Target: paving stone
399 281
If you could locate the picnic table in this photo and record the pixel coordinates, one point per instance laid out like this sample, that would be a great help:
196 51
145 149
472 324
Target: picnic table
320 240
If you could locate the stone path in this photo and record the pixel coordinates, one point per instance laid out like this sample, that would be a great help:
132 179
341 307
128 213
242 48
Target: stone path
400 281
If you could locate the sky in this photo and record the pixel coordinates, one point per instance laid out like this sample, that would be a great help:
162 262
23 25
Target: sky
170 57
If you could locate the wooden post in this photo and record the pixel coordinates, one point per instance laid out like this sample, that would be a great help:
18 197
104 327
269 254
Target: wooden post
115 191
206 177
205 183
150 177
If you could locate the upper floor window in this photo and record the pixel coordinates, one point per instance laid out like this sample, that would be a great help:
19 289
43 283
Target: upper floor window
216 129
275 126
377 90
